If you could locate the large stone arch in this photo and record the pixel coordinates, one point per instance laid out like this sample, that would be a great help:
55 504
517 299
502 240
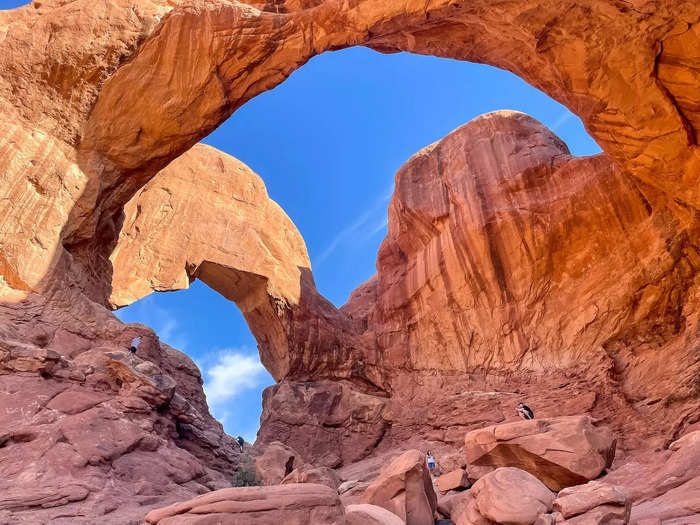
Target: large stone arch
109 93
207 216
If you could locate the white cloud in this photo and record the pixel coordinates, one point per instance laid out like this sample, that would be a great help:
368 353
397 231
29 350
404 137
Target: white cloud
232 373
227 376
367 224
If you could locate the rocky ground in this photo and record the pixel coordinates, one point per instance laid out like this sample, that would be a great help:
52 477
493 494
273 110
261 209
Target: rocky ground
512 271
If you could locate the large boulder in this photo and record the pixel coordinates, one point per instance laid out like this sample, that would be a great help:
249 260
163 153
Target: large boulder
309 474
276 462
457 479
575 501
406 489
364 514
302 504
513 496
462 510
561 452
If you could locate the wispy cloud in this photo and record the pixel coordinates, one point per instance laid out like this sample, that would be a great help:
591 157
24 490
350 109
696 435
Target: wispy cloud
163 322
565 117
370 222
229 376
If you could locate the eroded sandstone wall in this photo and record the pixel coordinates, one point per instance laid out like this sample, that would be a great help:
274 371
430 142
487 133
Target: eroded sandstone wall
506 252
513 271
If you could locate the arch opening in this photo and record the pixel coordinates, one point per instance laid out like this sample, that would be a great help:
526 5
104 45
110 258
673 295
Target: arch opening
211 330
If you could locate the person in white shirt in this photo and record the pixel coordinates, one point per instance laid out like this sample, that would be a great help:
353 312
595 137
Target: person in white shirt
525 411
430 460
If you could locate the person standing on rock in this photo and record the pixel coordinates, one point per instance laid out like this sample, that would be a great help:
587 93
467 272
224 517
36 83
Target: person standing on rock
431 461
135 344
240 442
525 411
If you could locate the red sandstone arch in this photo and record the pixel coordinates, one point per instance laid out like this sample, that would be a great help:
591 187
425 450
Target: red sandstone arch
626 71
161 74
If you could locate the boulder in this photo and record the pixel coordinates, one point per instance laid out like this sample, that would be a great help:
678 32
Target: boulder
602 515
513 496
463 510
406 489
561 452
277 462
300 504
574 501
364 514
457 479
308 474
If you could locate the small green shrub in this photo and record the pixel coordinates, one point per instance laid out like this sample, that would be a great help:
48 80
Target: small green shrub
245 475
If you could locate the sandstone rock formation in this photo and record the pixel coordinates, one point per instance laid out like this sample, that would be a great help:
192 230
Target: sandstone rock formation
370 515
309 474
561 452
276 462
573 501
462 510
91 433
207 216
303 504
331 423
457 479
663 485
494 232
405 488
511 495
511 270
534 259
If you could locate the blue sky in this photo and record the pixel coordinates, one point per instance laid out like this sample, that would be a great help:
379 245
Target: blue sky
327 143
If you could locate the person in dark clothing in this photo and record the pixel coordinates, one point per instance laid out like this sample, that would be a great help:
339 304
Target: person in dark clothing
135 344
241 442
525 411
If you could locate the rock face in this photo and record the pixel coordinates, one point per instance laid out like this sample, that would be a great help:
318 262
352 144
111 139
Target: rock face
304 504
561 452
663 485
506 255
405 488
91 433
533 259
331 422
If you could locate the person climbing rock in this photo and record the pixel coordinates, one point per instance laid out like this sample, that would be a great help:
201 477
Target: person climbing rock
241 442
430 460
525 411
135 344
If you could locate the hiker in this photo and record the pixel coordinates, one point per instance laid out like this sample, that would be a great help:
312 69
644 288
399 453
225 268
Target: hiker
431 461
241 442
135 344
525 411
